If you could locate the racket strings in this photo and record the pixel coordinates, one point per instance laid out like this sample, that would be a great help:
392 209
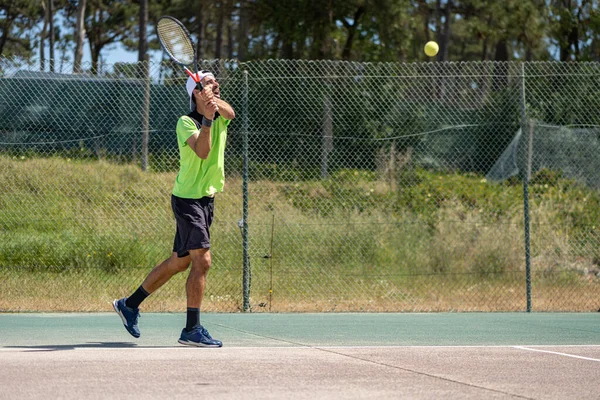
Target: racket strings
176 41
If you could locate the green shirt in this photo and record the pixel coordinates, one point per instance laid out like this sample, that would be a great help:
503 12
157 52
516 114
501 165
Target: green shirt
198 178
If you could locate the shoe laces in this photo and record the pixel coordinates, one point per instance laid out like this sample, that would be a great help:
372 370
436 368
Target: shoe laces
136 316
205 333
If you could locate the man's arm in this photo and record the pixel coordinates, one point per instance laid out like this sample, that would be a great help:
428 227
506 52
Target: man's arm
225 110
201 141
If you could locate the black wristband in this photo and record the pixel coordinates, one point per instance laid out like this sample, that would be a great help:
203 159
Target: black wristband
206 122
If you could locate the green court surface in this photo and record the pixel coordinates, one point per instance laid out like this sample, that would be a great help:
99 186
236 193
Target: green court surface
330 356
271 330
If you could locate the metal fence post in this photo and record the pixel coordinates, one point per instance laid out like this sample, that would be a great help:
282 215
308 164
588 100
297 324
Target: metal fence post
145 76
246 258
526 127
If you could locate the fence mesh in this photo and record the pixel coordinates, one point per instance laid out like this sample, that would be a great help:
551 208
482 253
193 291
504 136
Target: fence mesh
371 186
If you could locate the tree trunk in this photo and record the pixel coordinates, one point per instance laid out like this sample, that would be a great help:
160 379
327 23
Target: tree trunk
323 19
500 79
347 52
242 34
501 51
438 20
445 36
95 57
95 40
143 42
79 36
287 48
4 36
51 32
10 15
200 30
484 49
219 33
565 45
574 35
144 74
425 12
229 31
528 52
43 38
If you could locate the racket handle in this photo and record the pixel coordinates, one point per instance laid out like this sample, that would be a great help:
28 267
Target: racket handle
193 76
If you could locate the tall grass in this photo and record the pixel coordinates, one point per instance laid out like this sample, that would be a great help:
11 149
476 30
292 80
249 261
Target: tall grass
354 241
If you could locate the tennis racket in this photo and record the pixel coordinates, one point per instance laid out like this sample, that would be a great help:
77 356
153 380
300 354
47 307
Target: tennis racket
177 42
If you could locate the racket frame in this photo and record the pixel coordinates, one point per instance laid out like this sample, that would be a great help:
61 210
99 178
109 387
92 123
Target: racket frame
171 56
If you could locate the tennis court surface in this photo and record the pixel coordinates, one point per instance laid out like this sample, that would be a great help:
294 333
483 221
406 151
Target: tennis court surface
325 356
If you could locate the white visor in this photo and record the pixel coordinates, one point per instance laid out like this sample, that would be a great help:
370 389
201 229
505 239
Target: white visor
190 85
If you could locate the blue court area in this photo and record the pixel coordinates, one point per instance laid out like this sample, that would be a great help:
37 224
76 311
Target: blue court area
450 355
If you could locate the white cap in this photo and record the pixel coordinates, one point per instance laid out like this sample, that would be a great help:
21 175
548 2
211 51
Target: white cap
190 85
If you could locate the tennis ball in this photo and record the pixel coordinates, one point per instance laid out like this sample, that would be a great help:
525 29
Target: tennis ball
431 48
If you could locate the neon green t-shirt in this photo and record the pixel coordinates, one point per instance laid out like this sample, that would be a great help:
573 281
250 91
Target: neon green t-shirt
198 178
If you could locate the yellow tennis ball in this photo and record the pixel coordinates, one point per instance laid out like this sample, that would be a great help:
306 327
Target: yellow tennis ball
431 48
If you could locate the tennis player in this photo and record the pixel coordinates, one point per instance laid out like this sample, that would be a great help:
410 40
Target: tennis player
201 138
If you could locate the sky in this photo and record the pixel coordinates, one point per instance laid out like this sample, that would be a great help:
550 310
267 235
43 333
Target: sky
116 53
110 54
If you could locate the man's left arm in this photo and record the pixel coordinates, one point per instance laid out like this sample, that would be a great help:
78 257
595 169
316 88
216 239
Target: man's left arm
225 110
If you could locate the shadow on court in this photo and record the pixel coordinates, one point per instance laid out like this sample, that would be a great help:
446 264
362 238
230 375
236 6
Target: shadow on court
95 345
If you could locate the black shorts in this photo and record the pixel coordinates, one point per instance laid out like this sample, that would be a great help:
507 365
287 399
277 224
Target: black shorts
193 217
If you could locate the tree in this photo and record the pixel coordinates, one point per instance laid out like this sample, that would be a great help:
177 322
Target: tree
220 5
498 30
109 21
143 27
79 36
444 15
352 29
243 29
574 28
361 30
51 32
17 21
43 36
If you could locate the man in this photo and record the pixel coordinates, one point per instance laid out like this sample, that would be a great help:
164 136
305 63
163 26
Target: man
201 138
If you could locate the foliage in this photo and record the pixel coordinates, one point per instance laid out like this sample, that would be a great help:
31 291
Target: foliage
441 222
362 30
17 19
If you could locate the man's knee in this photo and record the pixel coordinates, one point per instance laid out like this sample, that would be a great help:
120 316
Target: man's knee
201 259
179 264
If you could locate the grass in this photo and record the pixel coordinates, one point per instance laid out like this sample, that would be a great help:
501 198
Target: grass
76 234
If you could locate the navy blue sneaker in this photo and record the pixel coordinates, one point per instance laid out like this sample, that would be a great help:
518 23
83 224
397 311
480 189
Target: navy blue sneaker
198 337
129 316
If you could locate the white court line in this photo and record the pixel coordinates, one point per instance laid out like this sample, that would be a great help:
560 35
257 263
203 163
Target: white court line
474 346
557 353
308 347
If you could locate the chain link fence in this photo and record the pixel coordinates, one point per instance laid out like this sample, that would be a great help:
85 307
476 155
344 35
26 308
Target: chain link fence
350 187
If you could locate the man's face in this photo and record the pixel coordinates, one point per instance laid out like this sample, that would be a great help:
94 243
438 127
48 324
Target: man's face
210 81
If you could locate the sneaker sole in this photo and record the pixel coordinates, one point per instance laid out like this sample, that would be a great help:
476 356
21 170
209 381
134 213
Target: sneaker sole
114 303
195 344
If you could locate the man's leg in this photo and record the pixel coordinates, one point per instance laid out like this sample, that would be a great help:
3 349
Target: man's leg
195 284
194 287
165 271
128 308
194 334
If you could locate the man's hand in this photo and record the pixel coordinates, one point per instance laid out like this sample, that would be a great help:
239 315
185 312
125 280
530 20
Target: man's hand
210 102
225 109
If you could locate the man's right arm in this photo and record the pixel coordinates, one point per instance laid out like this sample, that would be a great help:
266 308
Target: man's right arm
201 141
